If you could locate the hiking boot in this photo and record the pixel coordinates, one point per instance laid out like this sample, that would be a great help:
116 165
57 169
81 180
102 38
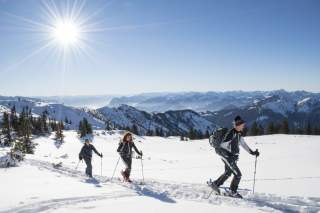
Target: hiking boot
235 194
124 175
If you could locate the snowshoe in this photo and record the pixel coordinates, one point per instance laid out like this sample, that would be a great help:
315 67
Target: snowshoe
234 194
57 165
214 187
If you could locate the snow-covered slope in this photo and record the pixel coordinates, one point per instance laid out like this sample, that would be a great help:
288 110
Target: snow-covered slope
56 111
2 110
275 107
175 174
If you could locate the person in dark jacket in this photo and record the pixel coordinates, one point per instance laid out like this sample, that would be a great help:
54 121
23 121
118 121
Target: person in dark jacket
86 155
125 151
229 153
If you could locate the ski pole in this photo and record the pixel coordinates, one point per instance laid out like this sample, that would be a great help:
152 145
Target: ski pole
142 170
254 176
78 164
115 168
101 166
209 194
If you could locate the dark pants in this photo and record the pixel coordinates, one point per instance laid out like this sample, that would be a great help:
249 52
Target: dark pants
127 160
89 166
230 167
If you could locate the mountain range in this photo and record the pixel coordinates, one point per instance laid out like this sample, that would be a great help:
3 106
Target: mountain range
177 113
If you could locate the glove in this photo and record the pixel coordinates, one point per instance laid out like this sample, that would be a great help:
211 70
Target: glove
141 154
256 153
80 157
101 155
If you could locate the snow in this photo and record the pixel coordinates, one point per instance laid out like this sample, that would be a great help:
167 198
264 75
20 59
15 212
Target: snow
262 117
280 106
56 111
303 101
227 114
307 104
288 178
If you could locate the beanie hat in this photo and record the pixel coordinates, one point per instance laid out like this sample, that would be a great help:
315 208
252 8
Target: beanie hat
238 121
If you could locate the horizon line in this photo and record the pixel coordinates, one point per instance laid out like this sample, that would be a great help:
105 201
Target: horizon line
160 92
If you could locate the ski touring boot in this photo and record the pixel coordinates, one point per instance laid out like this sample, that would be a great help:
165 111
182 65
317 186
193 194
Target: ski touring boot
234 194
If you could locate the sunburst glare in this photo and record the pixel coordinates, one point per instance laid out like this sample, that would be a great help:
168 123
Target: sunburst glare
66 32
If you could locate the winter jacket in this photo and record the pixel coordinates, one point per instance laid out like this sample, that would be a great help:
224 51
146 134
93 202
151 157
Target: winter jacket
125 149
86 151
232 141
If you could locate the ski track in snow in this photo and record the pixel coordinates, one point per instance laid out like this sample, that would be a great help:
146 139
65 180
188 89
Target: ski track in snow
168 192
62 202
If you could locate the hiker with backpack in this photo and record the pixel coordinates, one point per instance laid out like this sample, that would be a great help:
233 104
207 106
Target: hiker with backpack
125 151
86 155
226 145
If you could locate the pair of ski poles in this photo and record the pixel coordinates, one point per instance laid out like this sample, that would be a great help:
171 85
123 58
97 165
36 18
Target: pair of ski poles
115 168
254 178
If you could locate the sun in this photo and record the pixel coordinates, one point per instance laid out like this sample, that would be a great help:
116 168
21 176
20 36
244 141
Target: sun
66 32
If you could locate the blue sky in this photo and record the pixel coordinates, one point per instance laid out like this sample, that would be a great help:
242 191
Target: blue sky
168 45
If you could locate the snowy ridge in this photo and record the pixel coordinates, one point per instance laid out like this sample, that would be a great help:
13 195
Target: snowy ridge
55 111
122 117
298 107
214 101
272 108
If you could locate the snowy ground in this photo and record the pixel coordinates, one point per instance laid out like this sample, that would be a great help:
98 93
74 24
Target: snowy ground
288 177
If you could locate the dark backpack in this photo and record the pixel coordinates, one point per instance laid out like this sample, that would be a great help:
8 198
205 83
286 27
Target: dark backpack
217 137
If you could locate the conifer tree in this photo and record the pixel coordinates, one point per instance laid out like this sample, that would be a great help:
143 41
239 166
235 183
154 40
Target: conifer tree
284 127
84 127
308 129
207 134
6 130
14 119
135 129
254 130
261 130
192 134
59 131
270 128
